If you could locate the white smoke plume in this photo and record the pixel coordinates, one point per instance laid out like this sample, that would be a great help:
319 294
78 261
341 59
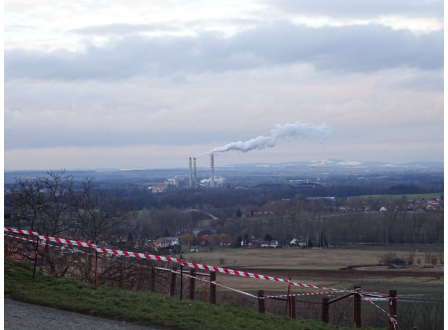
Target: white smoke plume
287 132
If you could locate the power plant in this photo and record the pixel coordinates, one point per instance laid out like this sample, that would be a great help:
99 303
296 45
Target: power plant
212 182
178 182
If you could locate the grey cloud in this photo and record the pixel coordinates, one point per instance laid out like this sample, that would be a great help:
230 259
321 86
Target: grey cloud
355 48
357 9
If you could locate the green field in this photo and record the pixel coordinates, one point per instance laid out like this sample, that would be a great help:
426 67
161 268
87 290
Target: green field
409 196
150 309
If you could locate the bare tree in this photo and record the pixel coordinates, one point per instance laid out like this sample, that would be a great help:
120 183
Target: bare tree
99 213
44 204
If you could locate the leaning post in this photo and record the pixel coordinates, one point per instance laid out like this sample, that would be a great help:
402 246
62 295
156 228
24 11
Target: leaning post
392 307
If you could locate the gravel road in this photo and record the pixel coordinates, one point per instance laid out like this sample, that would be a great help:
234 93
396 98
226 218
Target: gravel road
20 315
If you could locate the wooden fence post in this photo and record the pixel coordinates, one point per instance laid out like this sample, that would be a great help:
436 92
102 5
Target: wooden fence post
35 255
325 310
357 308
213 288
137 287
181 278
192 282
392 306
7 249
96 270
152 283
261 308
173 281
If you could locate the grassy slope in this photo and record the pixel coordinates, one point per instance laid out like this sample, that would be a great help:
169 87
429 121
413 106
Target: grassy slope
138 307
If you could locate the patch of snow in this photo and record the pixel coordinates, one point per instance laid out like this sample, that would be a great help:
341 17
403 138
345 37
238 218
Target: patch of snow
350 163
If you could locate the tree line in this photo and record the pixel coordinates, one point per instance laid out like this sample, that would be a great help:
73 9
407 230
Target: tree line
55 204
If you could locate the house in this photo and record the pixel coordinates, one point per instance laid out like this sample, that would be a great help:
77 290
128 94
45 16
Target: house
262 244
267 244
273 244
160 187
299 241
164 242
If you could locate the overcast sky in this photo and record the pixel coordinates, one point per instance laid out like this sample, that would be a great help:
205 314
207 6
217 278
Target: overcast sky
149 83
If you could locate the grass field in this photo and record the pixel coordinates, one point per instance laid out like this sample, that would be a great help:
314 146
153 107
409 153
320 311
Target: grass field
295 258
151 309
409 196
322 267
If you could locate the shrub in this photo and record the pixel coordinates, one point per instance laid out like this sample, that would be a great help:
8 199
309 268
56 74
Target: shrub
411 257
428 256
387 258
433 260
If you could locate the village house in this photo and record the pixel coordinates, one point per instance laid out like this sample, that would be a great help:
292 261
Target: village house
165 242
266 244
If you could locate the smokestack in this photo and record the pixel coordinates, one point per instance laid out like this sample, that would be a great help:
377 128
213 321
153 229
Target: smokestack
194 173
212 174
191 179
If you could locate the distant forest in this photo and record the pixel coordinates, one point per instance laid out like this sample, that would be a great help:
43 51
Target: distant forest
279 210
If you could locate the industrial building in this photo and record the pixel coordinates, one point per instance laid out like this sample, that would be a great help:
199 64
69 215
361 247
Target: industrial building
177 182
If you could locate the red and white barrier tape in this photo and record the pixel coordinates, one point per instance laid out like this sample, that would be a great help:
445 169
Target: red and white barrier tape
306 294
20 231
52 239
199 266
32 241
187 264
392 319
41 243
214 282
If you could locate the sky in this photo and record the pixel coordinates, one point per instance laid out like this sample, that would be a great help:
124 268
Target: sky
149 83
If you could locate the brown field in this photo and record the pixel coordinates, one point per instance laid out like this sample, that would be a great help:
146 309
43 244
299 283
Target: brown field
334 268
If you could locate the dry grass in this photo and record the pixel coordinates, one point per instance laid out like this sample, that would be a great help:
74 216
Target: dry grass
303 259
292 258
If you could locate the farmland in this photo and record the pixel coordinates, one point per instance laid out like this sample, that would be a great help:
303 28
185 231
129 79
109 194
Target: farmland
327 267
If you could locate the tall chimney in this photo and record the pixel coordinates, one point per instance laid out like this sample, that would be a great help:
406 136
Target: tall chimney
194 173
212 174
191 179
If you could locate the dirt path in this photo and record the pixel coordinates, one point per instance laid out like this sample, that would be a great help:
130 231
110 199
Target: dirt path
20 315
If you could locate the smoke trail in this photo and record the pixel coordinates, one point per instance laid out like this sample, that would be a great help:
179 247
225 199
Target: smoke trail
287 132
